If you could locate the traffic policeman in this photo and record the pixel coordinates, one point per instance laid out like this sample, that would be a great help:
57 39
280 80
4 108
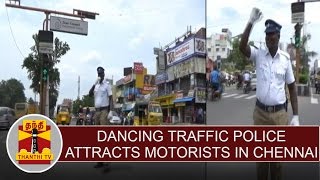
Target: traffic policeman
274 70
103 103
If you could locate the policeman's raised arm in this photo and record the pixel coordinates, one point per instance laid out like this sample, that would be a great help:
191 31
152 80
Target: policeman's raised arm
244 47
256 15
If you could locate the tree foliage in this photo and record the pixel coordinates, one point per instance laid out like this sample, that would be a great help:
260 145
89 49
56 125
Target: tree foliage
11 92
305 54
237 57
33 64
86 101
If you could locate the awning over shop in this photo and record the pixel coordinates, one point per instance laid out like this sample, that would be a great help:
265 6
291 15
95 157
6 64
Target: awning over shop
185 99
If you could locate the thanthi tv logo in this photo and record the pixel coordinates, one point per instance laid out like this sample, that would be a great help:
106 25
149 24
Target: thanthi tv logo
34 135
34 143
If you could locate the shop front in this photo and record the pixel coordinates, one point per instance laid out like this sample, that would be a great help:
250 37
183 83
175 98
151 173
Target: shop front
167 106
185 109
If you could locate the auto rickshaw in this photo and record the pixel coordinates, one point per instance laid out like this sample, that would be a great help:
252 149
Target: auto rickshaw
63 115
147 113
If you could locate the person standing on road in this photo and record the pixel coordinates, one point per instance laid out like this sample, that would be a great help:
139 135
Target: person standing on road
273 69
103 103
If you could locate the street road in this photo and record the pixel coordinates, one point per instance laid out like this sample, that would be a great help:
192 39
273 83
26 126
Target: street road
236 108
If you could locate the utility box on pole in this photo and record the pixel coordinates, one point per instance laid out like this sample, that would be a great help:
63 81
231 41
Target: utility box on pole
297 12
45 42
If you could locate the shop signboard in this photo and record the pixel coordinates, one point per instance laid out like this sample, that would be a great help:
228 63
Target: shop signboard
180 52
138 68
161 78
200 95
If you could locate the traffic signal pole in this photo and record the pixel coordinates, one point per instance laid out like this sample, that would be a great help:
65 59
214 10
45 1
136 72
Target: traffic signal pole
44 76
297 64
44 58
46 81
297 38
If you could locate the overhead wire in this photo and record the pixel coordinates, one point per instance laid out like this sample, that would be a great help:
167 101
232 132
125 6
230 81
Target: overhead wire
14 39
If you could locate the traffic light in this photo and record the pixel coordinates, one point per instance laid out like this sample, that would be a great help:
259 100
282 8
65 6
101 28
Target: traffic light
85 14
297 39
297 35
44 73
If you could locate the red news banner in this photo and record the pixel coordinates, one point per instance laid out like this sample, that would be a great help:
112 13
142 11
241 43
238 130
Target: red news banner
190 143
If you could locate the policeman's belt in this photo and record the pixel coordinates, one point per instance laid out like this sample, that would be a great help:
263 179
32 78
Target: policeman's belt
266 108
102 108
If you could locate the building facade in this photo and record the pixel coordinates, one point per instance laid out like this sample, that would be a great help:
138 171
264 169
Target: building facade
135 84
182 84
219 45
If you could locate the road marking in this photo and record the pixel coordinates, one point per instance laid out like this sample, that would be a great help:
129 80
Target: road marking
250 97
313 100
224 94
230 95
240 96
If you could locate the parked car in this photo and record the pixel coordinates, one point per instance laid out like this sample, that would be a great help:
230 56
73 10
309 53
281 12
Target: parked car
7 117
254 81
114 118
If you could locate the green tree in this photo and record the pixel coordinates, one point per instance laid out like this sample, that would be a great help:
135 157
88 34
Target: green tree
86 101
305 58
305 54
11 92
236 56
76 105
33 65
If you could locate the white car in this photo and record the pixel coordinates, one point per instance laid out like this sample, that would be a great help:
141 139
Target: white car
114 118
254 81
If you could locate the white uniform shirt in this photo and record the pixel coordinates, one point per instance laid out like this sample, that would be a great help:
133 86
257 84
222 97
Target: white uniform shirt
272 74
246 76
101 94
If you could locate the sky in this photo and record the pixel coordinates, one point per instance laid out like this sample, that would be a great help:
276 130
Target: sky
124 32
234 14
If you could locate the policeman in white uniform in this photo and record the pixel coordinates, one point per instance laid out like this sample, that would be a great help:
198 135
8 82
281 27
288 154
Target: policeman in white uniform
103 103
274 70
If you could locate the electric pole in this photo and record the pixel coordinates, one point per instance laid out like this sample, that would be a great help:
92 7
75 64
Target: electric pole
78 87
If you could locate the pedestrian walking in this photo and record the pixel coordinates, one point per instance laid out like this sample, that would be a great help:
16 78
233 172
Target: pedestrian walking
103 103
274 70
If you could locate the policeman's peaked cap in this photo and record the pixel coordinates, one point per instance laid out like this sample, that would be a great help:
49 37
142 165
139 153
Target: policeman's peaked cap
272 26
100 69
